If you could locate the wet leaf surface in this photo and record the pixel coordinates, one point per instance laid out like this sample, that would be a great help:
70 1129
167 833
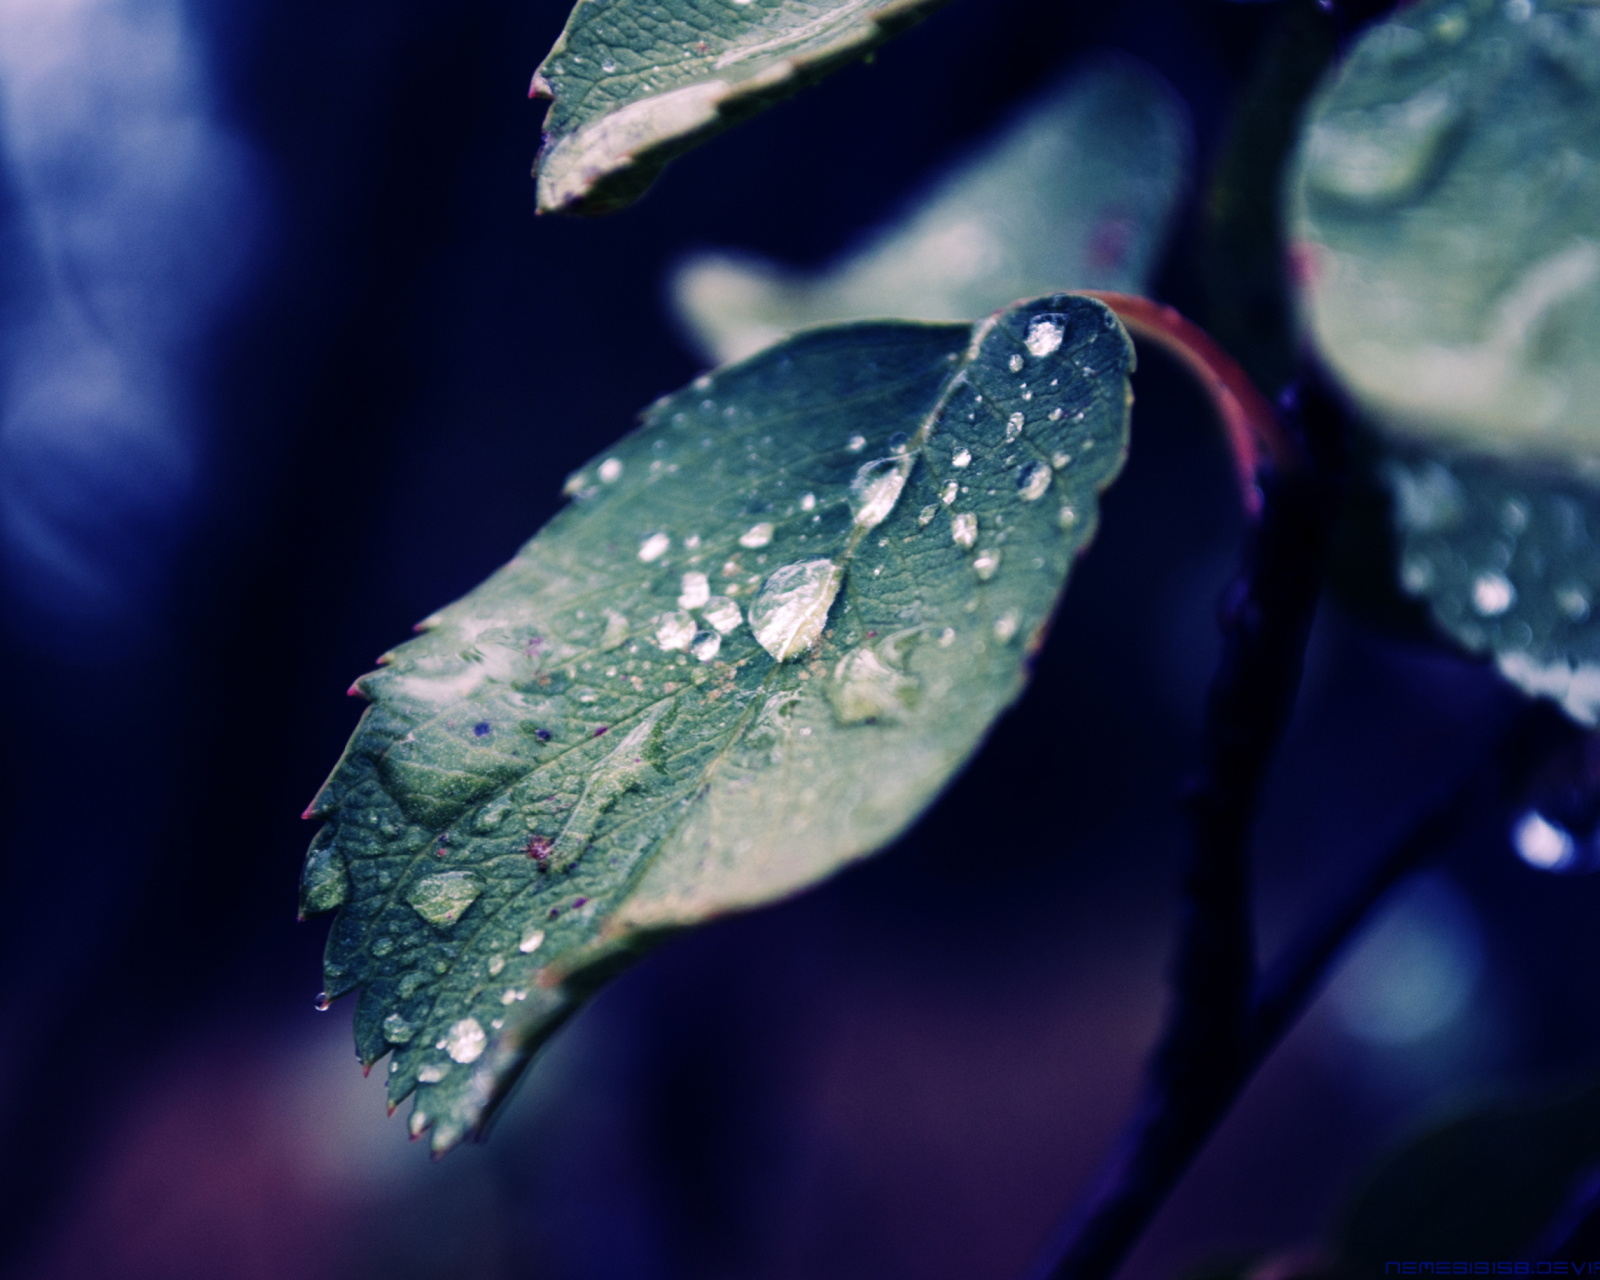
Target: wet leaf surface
1078 192
635 83
773 623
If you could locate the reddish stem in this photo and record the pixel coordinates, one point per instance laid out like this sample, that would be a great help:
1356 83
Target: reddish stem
1248 418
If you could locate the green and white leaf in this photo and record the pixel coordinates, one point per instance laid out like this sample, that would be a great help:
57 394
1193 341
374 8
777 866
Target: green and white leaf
1078 191
1445 213
777 618
638 82
1506 559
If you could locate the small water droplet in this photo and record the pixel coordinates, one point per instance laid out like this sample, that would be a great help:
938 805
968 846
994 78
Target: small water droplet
512 994
705 645
1492 594
722 614
675 630
808 501
531 940
608 65
1068 517
694 591
1416 574
466 1041
1045 334
1016 364
1013 426
616 631
1032 481
443 899
898 442
496 963
947 637
875 490
986 562
1055 415
947 495
964 529
926 515
430 1074
1542 844
757 535
610 470
1573 600
961 458
791 608
856 444
322 1002
654 547
396 1030
1005 626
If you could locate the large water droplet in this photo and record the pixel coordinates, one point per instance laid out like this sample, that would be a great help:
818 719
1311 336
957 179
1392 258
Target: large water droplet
1032 481
722 614
532 939
323 883
790 610
876 489
443 899
757 535
964 529
654 547
430 1074
1045 333
808 501
323 1002
695 590
466 1041
1386 152
675 630
611 470
961 458
865 688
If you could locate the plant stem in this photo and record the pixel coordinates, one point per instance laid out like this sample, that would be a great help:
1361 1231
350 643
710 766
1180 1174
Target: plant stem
1223 1021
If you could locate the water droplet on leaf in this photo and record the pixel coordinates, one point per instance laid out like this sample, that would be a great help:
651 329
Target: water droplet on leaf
1045 334
757 535
466 1041
443 899
1032 481
792 606
675 630
875 490
964 529
654 547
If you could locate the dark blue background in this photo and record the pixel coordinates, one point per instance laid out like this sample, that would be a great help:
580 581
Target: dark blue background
908 1072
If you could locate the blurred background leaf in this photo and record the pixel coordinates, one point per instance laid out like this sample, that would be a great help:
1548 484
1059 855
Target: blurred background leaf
1078 191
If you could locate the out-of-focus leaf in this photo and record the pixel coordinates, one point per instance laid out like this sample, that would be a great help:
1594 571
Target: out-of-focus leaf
1446 225
775 621
637 82
1078 192
1506 558
1492 1184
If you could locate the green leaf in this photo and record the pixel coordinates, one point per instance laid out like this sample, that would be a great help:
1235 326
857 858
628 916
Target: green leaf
1446 218
636 83
1506 559
1079 190
776 620
1489 1184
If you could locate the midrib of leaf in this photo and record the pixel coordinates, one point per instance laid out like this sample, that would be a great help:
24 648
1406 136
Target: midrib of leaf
915 449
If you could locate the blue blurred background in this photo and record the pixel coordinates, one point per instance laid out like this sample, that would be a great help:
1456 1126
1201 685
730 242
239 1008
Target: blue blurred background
286 362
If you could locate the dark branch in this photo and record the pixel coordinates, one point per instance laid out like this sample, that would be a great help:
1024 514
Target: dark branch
1203 1058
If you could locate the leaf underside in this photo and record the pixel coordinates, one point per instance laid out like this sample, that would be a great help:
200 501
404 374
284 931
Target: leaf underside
1080 188
777 618
635 83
